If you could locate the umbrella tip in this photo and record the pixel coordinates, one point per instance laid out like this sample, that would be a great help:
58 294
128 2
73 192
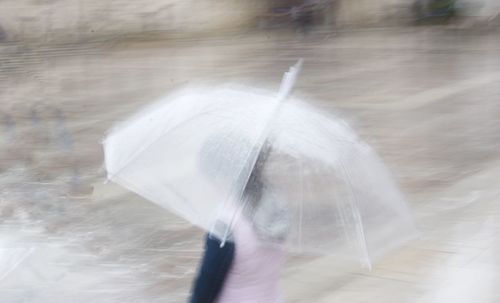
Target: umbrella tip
298 65
289 79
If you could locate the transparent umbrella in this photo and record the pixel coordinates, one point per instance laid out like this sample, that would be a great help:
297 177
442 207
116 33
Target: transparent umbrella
301 177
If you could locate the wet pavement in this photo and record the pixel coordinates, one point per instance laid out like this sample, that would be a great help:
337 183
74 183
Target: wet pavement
427 99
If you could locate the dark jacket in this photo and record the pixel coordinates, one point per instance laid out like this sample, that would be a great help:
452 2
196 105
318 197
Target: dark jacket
215 266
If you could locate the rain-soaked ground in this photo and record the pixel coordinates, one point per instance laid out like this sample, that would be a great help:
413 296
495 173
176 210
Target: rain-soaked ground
427 99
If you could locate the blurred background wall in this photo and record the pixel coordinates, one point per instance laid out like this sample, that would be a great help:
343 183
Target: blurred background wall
78 20
480 8
387 12
369 12
81 19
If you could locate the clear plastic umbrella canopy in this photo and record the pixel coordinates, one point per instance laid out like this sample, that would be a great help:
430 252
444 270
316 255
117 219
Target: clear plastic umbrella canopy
302 178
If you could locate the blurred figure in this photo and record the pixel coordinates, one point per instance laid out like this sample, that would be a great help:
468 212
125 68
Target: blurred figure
302 15
306 15
3 35
426 9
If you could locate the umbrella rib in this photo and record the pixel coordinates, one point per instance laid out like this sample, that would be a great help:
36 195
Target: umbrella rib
357 216
286 87
163 133
239 209
301 202
141 193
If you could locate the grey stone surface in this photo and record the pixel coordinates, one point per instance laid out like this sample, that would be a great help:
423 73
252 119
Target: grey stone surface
426 99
